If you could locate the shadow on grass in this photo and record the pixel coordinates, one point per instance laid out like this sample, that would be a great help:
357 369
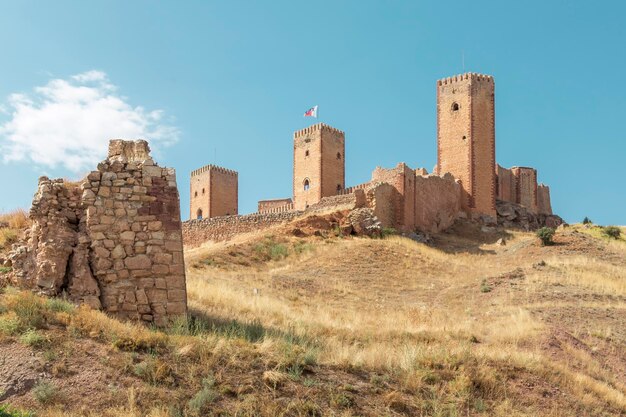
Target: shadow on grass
199 323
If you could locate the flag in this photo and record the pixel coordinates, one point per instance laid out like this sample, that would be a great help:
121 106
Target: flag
312 112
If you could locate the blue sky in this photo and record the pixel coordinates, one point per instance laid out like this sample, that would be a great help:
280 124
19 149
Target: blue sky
227 83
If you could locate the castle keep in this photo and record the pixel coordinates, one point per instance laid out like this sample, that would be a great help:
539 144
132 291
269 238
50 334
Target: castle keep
467 182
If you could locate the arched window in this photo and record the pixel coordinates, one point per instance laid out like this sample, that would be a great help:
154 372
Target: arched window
306 153
338 155
338 188
307 184
199 214
455 106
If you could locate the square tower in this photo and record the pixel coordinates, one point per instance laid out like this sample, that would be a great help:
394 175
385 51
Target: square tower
318 164
466 138
214 192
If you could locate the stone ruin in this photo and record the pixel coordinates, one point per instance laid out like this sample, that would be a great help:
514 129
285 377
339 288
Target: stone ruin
112 241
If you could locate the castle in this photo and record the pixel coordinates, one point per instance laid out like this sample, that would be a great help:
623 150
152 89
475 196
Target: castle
467 181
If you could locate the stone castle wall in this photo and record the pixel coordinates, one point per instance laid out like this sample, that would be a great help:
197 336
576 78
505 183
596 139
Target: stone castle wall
115 245
544 206
196 232
273 206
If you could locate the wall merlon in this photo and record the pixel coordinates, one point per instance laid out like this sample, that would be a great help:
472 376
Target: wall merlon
212 167
316 127
463 77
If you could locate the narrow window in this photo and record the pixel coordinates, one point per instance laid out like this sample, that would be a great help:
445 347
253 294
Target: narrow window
199 214
196 194
306 153
203 191
338 188
455 106
338 155
306 184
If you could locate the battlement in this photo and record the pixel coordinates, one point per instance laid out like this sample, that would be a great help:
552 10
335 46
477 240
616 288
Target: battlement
464 77
212 167
315 128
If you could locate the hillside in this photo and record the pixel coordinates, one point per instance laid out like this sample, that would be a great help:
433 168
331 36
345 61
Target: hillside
328 326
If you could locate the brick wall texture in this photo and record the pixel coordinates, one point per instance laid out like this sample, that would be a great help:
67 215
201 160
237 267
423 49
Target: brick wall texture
318 160
466 138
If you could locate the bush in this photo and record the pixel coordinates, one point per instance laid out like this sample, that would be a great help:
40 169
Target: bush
545 234
613 232
587 220
33 338
45 392
389 231
59 305
7 411
5 269
203 398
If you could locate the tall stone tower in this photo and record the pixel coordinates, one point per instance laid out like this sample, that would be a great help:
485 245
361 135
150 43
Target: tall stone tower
466 138
214 192
318 164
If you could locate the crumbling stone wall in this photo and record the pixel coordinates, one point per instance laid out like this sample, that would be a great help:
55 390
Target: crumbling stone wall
437 202
117 244
543 199
216 229
276 205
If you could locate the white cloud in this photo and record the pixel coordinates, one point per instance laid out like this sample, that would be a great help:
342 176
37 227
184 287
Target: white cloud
68 123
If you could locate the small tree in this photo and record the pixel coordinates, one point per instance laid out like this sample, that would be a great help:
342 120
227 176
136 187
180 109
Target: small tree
587 220
545 234
612 232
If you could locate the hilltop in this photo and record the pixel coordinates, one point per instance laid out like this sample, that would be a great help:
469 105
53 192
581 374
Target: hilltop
323 326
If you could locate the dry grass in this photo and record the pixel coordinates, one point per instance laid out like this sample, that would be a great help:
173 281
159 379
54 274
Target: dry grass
367 327
16 220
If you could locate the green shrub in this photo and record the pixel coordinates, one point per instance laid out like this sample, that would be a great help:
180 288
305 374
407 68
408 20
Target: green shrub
612 232
59 305
34 339
200 402
389 231
484 286
10 325
587 220
269 249
7 411
545 234
5 269
45 392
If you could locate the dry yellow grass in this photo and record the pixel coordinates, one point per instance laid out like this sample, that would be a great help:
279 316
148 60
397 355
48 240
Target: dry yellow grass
364 323
392 327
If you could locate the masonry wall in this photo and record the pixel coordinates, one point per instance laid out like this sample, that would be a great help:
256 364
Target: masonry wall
315 159
526 187
466 138
117 245
402 178
270 205
505 185
437 202
544 206
196 232
214 192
